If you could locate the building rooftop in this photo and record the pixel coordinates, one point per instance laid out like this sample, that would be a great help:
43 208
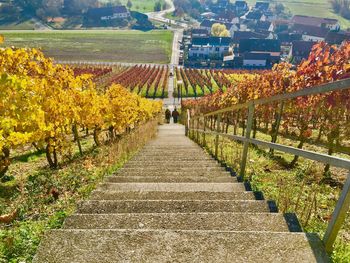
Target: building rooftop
106 11
313 21
302 48
266 45
211 41
310 30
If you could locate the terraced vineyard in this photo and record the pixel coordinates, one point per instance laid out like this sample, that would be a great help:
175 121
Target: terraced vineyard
146 80
201 82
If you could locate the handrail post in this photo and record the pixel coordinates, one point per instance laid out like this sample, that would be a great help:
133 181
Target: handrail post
338 217
205 129
217 135
197 135
277 125
193 127
247 136
187 127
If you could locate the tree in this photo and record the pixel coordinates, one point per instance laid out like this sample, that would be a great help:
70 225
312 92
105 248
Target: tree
179 12
279 8
79 6
219 30
129 4
158 6
43 103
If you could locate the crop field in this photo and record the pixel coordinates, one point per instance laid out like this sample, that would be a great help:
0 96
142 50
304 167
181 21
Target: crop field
102 45
137 5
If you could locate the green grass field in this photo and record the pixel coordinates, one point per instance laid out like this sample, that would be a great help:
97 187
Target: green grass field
142 6
320 8
102 45
25 25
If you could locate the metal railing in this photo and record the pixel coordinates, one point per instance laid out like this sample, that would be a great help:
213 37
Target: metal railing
343 204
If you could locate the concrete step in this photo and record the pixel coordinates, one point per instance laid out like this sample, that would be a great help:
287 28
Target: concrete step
153 169
200 173
175 161
162 158
172 154
173 149
170 179
171 206
93 246
173 187
272 222
113 195
173 165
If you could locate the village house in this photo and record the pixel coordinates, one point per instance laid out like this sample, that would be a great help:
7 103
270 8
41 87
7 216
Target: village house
310 32
327 23
336 38
300 50
261 45
286 38
207 25
256 60
239 35
108 13
197 32
259 53
209 48
241 7
262 6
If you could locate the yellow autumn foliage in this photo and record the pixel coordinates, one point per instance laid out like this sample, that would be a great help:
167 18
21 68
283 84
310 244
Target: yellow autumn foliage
40 102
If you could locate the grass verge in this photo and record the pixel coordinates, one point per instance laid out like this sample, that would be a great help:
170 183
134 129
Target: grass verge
46 197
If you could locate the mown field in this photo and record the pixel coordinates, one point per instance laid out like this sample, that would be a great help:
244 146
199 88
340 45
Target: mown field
97 45
143 6
321 8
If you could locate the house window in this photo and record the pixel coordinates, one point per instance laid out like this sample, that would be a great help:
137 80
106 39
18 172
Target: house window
217 49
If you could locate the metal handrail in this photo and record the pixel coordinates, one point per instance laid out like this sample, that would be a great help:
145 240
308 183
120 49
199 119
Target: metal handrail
324 88
343 204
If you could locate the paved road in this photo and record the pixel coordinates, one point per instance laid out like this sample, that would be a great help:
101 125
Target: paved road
160 16
171 102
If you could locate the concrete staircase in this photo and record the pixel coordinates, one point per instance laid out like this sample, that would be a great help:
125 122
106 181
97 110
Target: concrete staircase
173 203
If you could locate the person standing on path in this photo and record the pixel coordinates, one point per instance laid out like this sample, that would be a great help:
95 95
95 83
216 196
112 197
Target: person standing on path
175 115
167 115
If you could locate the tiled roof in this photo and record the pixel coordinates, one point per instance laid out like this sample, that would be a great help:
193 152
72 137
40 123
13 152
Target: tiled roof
241 3
337 37
302 48
256 15
106 11
209 23
262 5
238 35
265 25
310 30
211 41
268 45
313 21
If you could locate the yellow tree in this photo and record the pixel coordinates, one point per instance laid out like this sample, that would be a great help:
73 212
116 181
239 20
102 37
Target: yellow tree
22 118
219 30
